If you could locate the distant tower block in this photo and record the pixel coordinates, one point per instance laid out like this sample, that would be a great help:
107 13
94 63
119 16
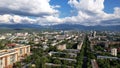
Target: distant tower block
79 46
94 34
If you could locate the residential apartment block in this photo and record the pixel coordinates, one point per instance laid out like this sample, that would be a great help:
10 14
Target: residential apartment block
61 47
10 56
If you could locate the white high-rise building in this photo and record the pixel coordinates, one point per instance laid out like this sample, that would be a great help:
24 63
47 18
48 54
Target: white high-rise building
114 51
94 34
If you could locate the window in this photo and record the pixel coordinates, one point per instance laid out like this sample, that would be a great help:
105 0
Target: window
21 51
27 49
1 63
12 58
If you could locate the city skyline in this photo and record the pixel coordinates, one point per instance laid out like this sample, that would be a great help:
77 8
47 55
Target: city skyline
59 33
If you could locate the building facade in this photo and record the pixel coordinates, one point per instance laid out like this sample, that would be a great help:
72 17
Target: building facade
61 47
10 56
114 52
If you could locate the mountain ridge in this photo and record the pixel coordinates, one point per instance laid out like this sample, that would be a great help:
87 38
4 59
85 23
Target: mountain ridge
61 27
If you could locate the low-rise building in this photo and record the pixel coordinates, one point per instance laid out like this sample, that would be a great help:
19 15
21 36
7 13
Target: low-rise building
2 37
61 47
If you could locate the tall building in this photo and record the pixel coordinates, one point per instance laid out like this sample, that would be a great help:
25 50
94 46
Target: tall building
94 34
79 46
114 52
10 56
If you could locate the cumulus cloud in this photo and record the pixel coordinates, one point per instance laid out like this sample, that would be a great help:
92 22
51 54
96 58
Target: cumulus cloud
89 12
87 5
117 11
15 19
5 18
22 11
27 7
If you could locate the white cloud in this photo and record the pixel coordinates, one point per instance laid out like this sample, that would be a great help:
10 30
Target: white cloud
18 11
49 20
15 19
11 19
5 18
117 11
56 6
89 12
87 5
27 7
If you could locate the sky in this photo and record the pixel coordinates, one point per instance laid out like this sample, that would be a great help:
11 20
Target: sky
53 12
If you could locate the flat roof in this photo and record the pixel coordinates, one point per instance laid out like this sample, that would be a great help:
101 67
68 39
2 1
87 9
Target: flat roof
7 53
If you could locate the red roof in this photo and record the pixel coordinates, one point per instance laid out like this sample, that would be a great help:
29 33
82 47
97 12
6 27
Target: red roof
12 44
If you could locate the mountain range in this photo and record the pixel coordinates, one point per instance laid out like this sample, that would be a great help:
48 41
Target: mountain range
61 27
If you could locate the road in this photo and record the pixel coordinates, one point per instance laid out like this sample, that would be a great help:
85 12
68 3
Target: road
84 62
26 65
